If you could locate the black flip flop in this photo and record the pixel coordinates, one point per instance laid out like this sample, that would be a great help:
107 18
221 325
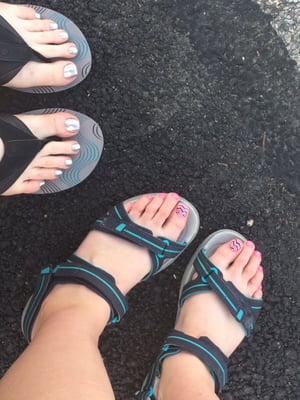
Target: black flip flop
15 53
21 146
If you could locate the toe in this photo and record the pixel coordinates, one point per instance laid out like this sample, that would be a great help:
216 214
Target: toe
66 50
255 283
56 36
137 208
252 265
41 174
52 148
166 208
56 162
243 258
23 12
33 74
62 124
153 207
40 25
227 253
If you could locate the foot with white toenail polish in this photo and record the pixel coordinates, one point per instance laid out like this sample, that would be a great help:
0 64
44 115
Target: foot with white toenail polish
31 37
46 151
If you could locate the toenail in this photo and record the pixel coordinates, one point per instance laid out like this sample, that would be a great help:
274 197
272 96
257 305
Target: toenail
175 195
73 50
235 245
53 26
76 146
249 243
68 162
150 196
72 125
58 172
182 210
37 15
260 287
70 70
42 183
162 195
63 35
257 253
260 268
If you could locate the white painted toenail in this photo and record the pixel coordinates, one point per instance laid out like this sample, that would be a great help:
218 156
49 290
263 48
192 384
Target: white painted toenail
63 35
37 15
70 70
42 183
58 172
53 26
76 146
73 50
68 162
72 125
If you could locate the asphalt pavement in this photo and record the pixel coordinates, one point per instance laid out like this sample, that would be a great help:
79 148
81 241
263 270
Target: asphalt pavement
196 97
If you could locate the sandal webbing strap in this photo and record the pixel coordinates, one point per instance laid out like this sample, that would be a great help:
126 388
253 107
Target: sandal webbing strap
203 348
75 270
244 309
14 52
117 222
20 147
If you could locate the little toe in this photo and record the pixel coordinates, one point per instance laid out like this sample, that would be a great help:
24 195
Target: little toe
255 283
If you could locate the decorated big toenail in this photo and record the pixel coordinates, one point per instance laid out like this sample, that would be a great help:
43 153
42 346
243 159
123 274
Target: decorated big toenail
235 245
70 70
53 26
181 210
73 50
72 125
249 243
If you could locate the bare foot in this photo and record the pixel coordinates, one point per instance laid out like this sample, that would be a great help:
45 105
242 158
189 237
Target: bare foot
53 158
204 314
45 37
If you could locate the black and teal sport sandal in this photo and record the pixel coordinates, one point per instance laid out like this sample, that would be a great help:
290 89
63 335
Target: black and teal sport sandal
163 253
244 309
21 146
15 52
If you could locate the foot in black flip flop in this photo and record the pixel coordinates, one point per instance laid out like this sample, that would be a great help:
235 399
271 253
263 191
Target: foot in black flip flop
42 51
46 151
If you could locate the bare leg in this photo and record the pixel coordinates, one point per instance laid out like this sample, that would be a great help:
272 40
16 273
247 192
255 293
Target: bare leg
62 362
184 376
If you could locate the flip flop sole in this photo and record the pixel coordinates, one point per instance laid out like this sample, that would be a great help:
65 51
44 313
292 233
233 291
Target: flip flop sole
91 143
83 60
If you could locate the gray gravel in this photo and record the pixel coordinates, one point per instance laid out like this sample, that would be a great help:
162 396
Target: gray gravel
286 22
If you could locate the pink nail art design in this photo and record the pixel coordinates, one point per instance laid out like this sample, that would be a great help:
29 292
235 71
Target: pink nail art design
182 210
235 245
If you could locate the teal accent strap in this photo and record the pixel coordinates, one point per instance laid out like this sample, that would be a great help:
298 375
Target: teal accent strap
245 310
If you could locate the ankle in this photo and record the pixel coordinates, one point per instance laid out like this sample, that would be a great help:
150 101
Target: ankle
72 304
185 376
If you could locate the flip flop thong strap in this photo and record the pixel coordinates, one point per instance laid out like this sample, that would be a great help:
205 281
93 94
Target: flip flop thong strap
75 270
118 223
14 52
20 147
203 348
244 309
